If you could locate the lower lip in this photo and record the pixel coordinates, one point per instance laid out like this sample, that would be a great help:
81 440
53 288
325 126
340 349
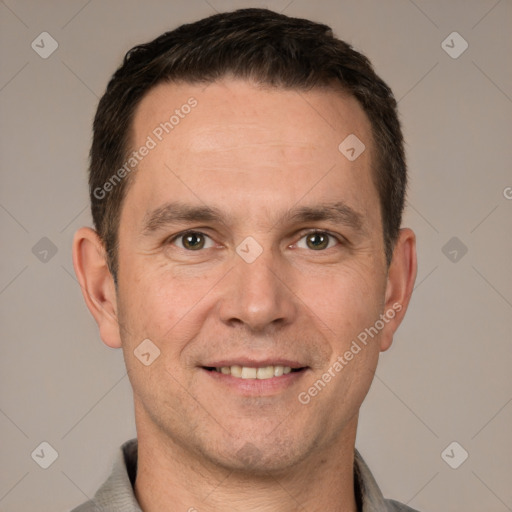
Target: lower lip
256 387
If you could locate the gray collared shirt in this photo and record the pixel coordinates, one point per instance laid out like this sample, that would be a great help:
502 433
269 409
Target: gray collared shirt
116 494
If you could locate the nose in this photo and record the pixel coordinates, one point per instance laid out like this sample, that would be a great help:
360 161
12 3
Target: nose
258 295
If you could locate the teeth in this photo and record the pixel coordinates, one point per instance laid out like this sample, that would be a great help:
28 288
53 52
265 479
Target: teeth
249 373
278 371
246 372
236 371
265 373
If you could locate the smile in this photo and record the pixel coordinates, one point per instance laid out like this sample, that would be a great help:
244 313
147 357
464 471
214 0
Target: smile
252 377
248 372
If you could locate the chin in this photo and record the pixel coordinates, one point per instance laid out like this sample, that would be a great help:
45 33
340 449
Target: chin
262 457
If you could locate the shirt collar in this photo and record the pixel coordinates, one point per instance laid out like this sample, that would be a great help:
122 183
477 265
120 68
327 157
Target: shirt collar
117 493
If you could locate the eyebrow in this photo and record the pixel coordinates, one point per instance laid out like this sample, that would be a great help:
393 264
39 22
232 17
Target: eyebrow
176 211
339 213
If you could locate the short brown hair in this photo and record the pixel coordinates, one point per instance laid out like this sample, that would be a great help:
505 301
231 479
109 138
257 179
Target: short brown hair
253 44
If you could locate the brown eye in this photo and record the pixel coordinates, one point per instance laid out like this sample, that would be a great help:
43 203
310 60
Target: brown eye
192 241
317 241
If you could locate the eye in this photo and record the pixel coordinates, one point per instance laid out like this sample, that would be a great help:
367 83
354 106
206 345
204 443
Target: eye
192 241
317 241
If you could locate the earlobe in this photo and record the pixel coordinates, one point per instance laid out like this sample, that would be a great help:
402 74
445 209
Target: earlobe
97 284
400 284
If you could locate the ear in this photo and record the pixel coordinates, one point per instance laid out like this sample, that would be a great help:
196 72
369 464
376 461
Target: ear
97 283
400 284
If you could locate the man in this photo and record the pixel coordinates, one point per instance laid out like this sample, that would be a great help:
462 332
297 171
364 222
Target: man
247 183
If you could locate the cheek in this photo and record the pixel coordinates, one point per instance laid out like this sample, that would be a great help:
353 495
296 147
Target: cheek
346 301
168 312
159 303
351 302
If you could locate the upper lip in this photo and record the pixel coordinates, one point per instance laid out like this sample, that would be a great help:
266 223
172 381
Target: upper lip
255 363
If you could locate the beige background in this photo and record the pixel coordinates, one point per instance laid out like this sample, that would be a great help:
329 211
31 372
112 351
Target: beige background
447 377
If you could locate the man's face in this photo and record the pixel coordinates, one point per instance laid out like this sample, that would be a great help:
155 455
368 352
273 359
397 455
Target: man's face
264 164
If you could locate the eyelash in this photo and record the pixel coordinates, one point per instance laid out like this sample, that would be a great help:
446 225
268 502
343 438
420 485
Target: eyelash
338 238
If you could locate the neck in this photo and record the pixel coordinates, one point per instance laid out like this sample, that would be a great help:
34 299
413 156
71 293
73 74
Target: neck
170 478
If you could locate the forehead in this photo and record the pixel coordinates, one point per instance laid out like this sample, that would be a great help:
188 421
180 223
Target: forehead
235 144
325 114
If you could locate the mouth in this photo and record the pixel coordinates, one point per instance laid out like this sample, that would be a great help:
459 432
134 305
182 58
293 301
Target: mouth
251 377
255 372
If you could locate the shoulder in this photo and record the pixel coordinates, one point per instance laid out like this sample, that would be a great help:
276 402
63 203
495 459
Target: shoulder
116 494
88 506
370 496
395 506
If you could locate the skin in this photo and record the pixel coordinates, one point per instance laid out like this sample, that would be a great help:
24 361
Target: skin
254 153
